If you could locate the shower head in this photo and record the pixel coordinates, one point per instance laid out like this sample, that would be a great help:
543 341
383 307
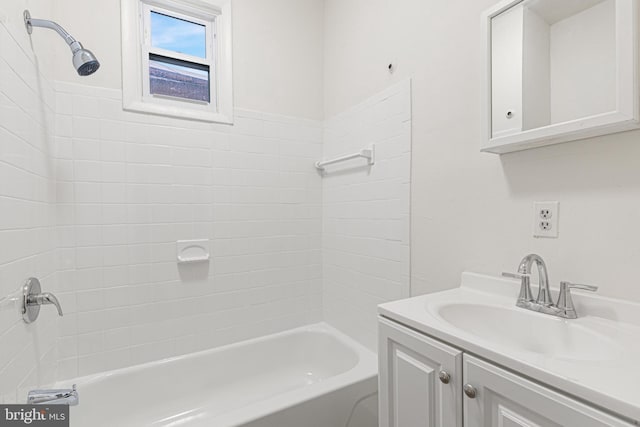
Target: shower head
84 61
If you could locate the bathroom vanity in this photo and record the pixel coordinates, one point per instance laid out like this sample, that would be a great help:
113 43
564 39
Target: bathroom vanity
469 357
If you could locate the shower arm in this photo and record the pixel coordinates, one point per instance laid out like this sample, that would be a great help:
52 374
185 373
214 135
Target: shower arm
84 61
43 23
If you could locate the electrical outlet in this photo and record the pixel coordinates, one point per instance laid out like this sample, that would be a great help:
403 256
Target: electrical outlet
545 225
545 219
546 213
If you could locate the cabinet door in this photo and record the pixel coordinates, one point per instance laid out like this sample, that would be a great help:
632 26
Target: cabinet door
504 399
411 391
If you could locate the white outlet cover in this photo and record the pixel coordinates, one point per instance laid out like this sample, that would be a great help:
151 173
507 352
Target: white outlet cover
546 219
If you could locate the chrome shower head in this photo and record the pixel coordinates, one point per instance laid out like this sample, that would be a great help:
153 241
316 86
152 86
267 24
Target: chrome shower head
84 61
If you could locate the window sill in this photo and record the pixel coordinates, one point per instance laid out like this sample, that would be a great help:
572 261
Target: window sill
180 113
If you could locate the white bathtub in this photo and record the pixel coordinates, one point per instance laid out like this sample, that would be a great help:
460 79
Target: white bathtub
307 377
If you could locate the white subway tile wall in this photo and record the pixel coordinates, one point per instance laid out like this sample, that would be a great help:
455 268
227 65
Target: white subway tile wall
93 200
27 213
366 226
131 185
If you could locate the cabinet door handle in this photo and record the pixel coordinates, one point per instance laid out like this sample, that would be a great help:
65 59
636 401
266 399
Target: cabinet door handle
444 377
470 391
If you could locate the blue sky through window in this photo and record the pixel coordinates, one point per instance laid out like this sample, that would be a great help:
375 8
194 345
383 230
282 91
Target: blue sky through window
178 35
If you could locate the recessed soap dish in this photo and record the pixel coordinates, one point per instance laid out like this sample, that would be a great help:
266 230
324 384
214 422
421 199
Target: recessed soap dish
191 251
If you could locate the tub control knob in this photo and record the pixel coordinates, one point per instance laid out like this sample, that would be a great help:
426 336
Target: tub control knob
444 377
470 391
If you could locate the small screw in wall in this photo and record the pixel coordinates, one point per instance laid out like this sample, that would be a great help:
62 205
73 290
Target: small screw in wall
391 68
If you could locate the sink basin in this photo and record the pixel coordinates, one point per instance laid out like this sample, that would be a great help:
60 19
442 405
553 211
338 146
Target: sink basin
594 357
529 331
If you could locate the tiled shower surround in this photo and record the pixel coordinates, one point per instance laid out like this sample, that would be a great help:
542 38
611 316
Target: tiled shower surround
94 198
130 185
27 216
366 227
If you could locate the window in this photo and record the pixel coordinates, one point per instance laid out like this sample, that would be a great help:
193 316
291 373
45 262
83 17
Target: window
177 58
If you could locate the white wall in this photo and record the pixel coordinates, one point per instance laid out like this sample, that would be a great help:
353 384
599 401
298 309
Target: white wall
365 212
278 56
277 51
27 211
473 211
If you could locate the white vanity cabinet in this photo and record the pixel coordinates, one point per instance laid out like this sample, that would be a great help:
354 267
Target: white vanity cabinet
503 399
477 393
420 379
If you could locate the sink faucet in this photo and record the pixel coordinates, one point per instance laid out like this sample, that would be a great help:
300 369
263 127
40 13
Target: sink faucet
544 303
544 294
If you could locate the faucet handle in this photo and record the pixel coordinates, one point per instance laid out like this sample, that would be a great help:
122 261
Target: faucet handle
49 298
33 298
568 285
565 302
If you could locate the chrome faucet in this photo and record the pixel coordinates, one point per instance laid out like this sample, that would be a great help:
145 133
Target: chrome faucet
65 396
544 303
544 294
43 299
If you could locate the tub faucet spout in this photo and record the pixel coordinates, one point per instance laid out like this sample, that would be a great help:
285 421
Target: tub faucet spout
54 397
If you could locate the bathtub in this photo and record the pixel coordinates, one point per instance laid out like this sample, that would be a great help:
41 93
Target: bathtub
312 376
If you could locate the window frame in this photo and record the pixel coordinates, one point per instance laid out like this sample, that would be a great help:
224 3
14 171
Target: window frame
215 15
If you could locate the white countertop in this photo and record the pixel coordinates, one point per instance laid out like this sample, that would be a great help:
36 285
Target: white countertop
605 372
